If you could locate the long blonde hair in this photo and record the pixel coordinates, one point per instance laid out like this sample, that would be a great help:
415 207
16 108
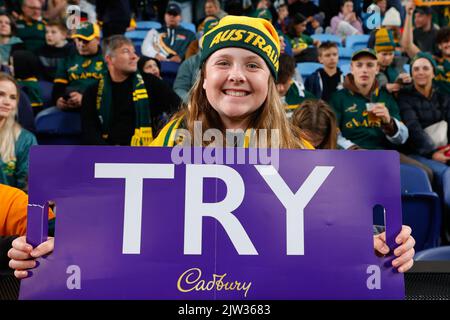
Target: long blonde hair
270 115
10 129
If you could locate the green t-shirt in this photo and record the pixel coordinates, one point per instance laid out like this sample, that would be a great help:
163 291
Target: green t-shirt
353 121
15 173
79 72
32 34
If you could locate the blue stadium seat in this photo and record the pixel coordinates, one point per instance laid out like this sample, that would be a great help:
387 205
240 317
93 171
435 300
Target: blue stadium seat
421 207
188 25
54 126
328 37
407 68
305 69
357 41
345 68
345 52
345 55
169 71
136 35
46 92
147 25
433 254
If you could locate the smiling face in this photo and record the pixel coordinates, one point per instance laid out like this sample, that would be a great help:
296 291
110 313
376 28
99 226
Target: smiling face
8 99
422 72
236 84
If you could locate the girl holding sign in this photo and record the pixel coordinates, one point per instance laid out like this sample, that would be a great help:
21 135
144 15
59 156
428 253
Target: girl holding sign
236 90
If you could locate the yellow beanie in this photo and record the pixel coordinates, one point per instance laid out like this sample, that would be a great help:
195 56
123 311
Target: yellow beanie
254 34
384 40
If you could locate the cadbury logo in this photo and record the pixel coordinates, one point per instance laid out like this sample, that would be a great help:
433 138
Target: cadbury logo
191 280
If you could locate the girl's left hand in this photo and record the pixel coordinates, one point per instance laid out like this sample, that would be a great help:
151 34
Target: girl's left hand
404 252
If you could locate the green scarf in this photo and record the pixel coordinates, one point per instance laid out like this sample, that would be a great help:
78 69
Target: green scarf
143 131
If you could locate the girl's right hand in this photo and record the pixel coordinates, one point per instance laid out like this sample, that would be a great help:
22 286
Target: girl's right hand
23 256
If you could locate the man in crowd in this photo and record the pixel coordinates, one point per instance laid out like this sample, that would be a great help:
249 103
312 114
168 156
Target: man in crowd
79 70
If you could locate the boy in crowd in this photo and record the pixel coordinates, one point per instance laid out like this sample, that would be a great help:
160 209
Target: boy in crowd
292 93
327 80
55 50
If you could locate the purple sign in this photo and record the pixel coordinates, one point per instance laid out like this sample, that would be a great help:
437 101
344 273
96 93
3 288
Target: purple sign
133 225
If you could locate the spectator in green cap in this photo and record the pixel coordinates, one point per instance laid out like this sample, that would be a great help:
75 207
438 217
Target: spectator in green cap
79 70
379 128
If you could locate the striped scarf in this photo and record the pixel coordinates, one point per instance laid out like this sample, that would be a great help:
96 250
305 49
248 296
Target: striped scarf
143 131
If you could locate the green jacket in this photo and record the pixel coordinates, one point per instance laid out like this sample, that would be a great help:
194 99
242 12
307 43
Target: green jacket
442 78
352 118
31 33
15 173
295 96
78 72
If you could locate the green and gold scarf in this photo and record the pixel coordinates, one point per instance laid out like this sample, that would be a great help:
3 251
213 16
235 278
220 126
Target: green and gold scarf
143 131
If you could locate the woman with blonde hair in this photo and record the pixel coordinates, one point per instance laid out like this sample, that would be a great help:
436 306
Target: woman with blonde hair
15 142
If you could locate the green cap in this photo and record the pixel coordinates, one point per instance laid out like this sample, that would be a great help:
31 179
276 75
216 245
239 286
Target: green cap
87 31
424 55
364 52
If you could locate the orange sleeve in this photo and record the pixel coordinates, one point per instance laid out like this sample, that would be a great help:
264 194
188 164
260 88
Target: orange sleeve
13 211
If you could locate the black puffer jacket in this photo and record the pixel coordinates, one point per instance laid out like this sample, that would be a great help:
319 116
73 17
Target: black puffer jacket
419 112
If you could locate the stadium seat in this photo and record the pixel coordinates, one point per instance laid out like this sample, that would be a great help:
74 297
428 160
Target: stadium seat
54 126
345 55
345 68
421 207
357 41
305 69
328 37
46 92
188 25
433 254
407 68
169 71
147 25
138 35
